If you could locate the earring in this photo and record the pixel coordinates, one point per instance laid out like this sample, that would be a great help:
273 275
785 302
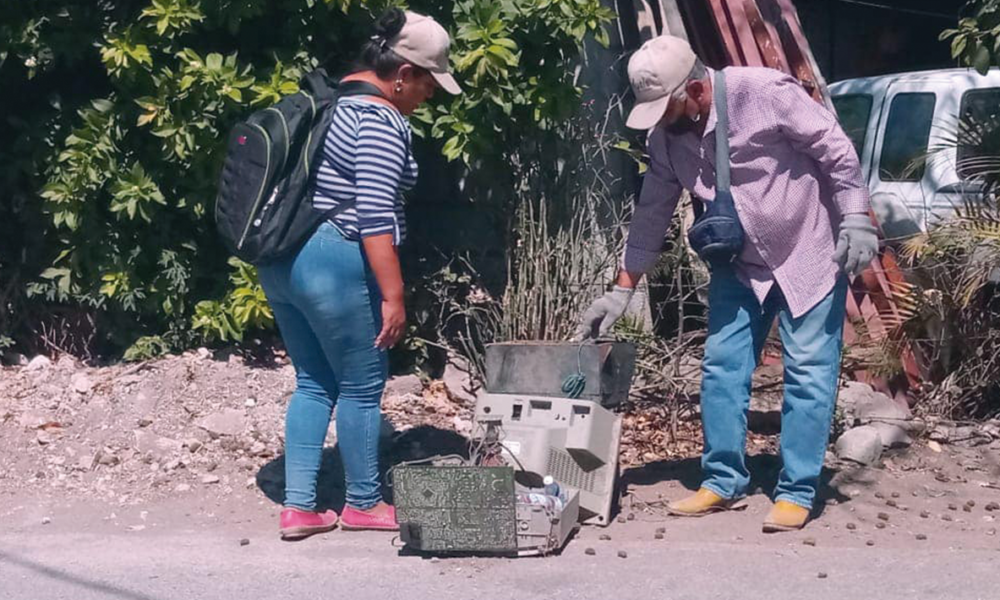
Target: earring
399 86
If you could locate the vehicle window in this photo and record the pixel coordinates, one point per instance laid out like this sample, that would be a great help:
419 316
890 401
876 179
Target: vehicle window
978 131
904 149
854 111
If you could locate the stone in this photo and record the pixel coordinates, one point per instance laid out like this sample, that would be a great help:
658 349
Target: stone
893 436
891 503
35 419
158 447
952 506
661 530
182 487
657 536
192 445
38 363
80 383
15 359
992 506
946 518
921 536
244 542
107 458
883 516
880 525
809 541
821 575
605 537
852 526
145 422
590 552
404 385
46 520
870 543
877 407
459 383
862 445
227 422
924 514
622 554
210 479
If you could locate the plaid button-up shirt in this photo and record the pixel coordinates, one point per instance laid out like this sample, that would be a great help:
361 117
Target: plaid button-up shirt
794 175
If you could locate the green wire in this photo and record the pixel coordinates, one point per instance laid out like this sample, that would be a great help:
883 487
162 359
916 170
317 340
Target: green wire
574 385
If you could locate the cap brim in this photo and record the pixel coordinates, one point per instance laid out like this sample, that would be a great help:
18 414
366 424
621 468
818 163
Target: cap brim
447 82
647 114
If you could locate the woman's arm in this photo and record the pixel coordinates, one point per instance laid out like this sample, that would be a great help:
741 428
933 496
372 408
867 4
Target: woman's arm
384 260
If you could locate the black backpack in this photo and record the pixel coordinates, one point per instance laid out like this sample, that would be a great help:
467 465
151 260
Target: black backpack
264 208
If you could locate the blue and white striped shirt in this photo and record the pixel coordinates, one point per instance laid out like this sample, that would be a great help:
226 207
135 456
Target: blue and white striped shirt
366 163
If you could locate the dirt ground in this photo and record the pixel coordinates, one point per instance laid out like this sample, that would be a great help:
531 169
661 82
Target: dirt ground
163 480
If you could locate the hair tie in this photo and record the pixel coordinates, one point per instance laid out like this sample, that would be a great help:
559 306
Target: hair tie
382 41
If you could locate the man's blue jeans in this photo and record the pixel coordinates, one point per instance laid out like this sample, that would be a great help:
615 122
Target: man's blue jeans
328 308
737 329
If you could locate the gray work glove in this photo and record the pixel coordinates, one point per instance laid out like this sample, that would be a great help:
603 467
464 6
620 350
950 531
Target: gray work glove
602 314
857 243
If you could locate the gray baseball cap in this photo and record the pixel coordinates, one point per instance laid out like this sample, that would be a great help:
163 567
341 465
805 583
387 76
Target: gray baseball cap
425 43
657 69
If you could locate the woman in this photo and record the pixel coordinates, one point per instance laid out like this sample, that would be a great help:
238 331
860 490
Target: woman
339 300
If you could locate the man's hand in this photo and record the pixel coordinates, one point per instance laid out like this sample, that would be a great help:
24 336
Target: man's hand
857 243
602 314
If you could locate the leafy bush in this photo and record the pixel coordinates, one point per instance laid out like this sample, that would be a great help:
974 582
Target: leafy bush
121 109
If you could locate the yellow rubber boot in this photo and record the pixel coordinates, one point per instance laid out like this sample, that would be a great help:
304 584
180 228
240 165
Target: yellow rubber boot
785 516
703 502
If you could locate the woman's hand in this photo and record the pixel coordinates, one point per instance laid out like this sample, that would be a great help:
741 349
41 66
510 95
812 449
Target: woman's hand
393 324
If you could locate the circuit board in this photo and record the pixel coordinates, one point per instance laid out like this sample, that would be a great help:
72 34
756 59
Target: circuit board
456 509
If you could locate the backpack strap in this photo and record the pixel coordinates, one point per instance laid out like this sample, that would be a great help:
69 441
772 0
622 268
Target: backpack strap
721 132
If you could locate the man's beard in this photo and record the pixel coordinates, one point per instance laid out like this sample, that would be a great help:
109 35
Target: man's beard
683 124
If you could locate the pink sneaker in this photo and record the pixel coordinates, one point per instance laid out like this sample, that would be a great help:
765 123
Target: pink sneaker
353 519
299 524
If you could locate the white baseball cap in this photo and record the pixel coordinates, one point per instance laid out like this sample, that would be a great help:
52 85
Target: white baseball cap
423 42
657 70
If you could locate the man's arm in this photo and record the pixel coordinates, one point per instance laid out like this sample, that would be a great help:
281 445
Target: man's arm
813 130
652 214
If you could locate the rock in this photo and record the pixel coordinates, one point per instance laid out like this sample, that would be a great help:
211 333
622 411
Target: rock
880 525
192 445
210 479
821 575
228 422
15 359
244 542
952 506
145 422
590 552
946 518
46 520
921 537
404 385
657 536
203 353
250 402
661 530
891 503
893 436
631 517
862 445
852 526
809 541
992 506
80 383
107 458
158 447
622 554
259 449
605 537
459 383
182 487
35 419
883 516
924 514
877 407
48 435
38 363
870 543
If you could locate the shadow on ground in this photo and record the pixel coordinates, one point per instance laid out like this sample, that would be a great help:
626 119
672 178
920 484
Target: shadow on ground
764 469
414 444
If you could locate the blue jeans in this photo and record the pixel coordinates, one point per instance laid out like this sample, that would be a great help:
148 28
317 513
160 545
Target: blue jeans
328 308
737 328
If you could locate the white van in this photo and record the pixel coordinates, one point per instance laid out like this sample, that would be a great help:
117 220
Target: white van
898 124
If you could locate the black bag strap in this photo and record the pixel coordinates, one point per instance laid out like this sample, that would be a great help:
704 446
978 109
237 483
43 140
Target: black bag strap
359 88
721 133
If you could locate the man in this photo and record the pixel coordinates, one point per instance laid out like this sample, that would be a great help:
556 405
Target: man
799 194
